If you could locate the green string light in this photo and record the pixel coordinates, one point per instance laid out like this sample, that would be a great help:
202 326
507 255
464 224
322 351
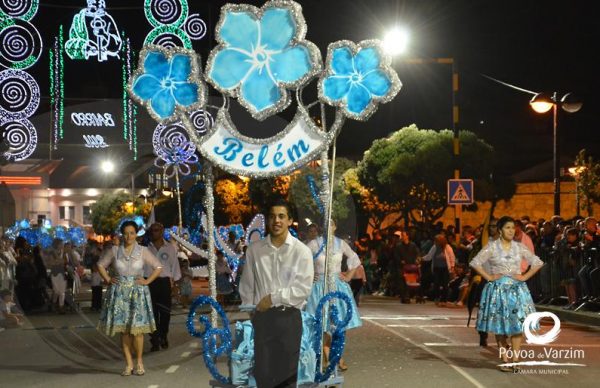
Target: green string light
61 68
124 85
51 76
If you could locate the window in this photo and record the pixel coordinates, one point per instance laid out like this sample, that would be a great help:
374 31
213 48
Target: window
66 212
61 213
87 215
71 215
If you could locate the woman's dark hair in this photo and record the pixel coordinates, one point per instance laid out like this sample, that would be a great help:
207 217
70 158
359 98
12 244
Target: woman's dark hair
126 224
503 221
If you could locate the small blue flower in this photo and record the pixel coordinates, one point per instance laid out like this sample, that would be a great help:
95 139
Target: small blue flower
262 52
165 84
358 76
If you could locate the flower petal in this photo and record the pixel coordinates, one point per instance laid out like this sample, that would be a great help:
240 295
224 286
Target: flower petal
358 99
181 66
336 87
186 93
277 28
156 64
377 82
260 91
146 86
341 61
240 30
366 60
163 103
229 67
291 64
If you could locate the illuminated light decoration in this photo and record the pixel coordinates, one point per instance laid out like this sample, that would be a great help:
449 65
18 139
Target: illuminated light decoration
93 34
135 144
166 12
94 141
19 9
195 27
21 180
174 150
261 53
92 119
61 84
20 44
357 78
202 121
168 82
20 95
168 37
54 137
21 138
124 80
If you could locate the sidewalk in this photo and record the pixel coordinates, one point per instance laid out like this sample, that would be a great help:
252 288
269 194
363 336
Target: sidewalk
589 318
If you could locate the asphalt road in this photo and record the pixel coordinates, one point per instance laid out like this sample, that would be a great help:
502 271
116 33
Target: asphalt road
398 345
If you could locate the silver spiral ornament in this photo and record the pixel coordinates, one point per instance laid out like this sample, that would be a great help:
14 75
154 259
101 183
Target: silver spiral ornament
168 41
202 121
20 44
21 138
195 27
20 9
171 138
166 12
19 95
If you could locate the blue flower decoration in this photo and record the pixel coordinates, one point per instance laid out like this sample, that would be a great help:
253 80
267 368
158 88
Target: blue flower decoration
168 82
357 78
261 54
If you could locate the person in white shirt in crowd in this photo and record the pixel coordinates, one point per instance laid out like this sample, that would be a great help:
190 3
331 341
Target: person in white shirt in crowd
277 278
160 289
339 249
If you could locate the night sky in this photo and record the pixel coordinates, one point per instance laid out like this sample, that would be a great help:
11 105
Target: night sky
540 46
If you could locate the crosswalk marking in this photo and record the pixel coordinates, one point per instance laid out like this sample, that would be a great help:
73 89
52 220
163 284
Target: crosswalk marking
172 369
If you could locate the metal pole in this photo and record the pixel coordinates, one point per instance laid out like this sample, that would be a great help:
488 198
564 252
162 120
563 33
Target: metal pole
556 157
456 144
132 193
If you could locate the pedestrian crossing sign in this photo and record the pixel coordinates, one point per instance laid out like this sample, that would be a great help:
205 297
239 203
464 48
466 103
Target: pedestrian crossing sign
460 191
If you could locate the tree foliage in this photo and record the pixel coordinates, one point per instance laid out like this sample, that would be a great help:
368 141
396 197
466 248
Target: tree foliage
233 199
588 181
410 168
108 211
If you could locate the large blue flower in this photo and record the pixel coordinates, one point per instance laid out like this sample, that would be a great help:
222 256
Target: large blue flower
262 52
167 81
358 76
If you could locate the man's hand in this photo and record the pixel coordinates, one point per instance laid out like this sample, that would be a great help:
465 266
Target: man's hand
264 304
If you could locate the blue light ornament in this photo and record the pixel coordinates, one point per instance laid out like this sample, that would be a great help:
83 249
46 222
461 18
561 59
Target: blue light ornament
261 54
168 82
358 77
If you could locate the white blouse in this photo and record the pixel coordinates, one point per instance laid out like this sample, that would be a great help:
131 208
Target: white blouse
340 249
504 262
132 264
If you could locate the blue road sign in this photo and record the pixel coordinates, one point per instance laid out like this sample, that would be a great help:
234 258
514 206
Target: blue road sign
460 191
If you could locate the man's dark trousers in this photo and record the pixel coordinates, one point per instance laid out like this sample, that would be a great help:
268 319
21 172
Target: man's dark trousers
160 291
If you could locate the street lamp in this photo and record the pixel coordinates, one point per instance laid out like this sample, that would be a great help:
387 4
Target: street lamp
576 172
396 41
542 103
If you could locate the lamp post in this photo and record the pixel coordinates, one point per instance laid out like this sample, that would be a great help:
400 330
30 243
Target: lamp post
542 103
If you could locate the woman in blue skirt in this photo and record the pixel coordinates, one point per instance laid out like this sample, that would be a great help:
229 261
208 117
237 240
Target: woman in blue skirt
505 299
127 307
339 249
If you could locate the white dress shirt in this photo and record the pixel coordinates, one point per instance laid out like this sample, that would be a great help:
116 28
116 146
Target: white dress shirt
286 273
167 255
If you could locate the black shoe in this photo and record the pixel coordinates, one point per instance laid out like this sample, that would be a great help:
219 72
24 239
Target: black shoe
164 344
155 348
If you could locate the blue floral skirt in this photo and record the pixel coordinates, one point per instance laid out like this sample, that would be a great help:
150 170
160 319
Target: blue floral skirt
504 305
316 295
127 308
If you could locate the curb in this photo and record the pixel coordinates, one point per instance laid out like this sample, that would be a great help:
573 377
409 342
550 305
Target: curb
584 318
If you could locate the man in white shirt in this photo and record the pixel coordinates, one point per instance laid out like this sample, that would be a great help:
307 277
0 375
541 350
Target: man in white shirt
160 288
277 278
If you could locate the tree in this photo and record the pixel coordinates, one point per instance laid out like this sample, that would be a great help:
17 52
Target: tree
263 191
233 199
411 167
587 180
108 211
